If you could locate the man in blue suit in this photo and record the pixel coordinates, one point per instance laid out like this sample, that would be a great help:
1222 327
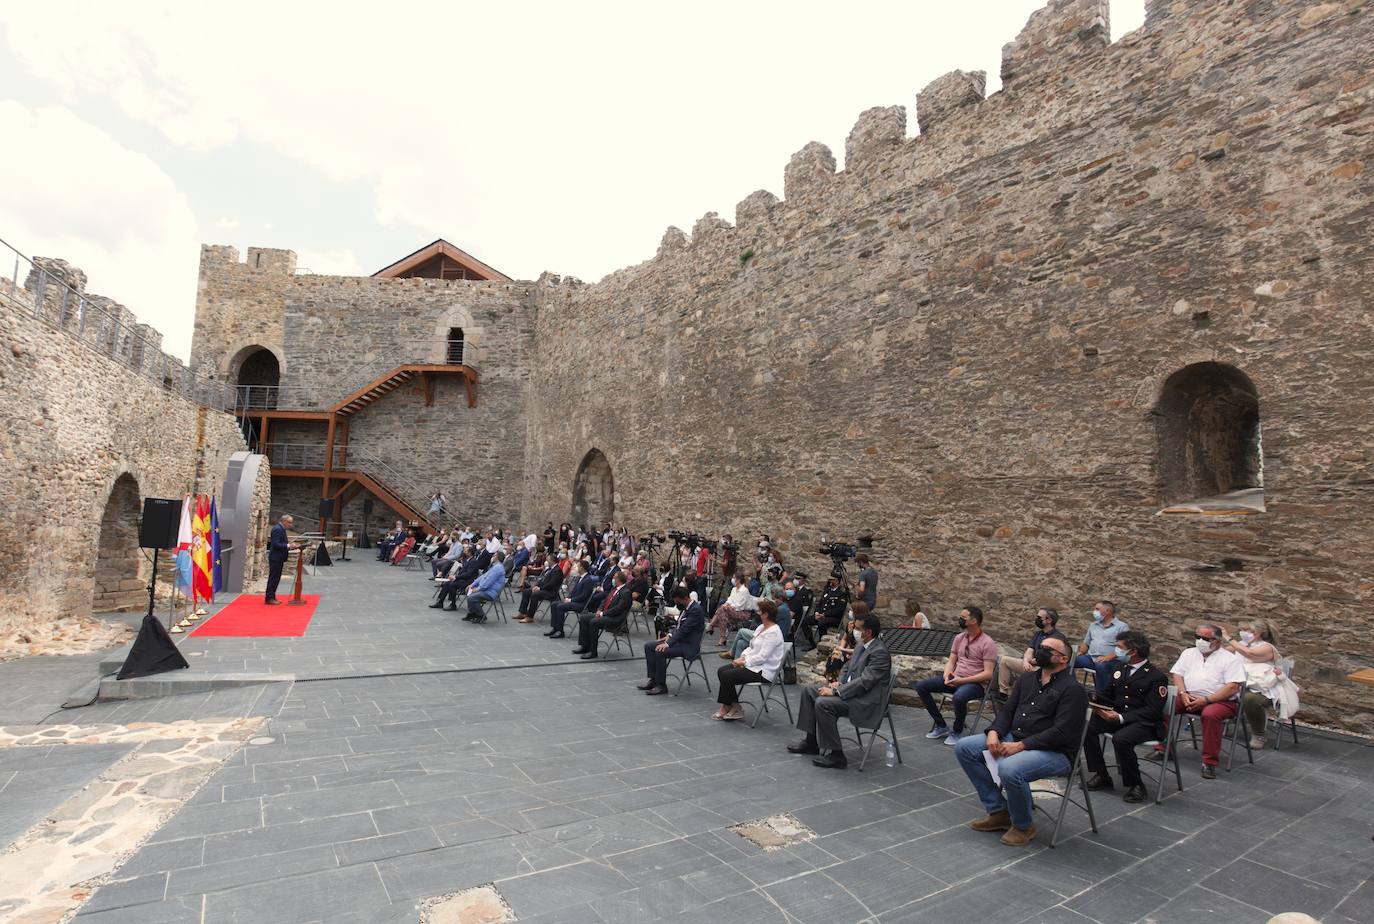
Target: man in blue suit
278 551
575 602
683 642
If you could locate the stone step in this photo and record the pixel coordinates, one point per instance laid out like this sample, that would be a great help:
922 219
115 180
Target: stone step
173 683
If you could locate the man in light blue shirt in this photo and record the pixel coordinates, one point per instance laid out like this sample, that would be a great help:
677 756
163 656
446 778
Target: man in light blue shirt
1098 651
485 588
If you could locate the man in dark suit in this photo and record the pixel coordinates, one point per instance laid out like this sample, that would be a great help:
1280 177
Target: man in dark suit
613 613
858 694
544 588
683 642
458 584
583 585
1136 693
278 551
389 542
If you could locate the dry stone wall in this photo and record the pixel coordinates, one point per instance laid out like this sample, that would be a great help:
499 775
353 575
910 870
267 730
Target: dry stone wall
80 431
957 343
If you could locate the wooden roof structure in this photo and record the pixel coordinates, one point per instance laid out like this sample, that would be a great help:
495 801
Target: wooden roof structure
441 260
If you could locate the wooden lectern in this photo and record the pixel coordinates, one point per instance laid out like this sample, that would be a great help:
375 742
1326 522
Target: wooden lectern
300 578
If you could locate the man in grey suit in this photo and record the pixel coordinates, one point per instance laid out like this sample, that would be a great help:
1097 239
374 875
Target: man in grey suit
859 695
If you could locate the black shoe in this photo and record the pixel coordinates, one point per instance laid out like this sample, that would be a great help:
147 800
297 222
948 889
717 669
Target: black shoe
451 609
655 691
1156 755
646 685
579 651
591 655
1209 772
549 634
1134 793
436 606
273 602
832 761
1100 781
557 633
805 746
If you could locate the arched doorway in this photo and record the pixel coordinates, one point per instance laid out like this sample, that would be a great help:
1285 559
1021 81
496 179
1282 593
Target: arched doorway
453 354
1207 425
258 376
593 491
120 573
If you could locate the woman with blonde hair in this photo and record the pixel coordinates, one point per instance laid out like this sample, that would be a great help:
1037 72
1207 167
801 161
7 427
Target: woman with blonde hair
1266 685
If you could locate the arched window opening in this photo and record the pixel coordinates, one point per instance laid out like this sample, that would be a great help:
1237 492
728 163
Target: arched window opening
593 491
1210 456
455 346
119 567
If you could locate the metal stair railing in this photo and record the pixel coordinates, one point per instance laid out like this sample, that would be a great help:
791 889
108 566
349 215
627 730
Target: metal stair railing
327 394
310 456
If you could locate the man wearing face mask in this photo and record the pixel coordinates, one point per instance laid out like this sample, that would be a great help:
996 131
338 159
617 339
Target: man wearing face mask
827 614
1035 735
1209 679
967 674
1099 643
858 694
1134 714
1009 669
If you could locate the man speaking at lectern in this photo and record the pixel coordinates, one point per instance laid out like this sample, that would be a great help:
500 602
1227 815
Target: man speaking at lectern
278 551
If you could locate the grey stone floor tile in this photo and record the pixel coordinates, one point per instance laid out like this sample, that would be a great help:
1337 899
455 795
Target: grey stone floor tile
325 803
385 846
746 908
163 856
277 838
1273 890
981 899
654 901
1119 900
448 869
122 893
1197 903
883 886
815 898
542 892
356 890
259 869
214 818
661 861
176 910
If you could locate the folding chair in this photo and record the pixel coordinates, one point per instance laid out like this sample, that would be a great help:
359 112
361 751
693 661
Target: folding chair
616 634
496 604
1075 770
765 695
412 561
875 732
1170 745
640 612
1240 732
983 701
1285 665
687 672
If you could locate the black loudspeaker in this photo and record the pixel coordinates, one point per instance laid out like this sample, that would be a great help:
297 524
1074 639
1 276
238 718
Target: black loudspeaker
326 508
367 505
161 521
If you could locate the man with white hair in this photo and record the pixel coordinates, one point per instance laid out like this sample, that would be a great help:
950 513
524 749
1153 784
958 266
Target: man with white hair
278 551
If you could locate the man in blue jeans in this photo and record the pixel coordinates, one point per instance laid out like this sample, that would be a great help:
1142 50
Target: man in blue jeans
967 673
1036 735
1098 651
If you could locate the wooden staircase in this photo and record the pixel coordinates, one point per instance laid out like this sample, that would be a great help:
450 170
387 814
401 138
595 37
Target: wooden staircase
427 373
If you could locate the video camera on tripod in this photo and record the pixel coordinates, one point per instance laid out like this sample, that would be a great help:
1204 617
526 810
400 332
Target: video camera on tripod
839 552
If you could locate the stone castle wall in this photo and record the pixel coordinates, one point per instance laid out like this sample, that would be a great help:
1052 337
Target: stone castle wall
334 335
957 344
74 421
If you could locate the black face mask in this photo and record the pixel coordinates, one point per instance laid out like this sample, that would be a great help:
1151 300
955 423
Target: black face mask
963 624
1040 622
1044 657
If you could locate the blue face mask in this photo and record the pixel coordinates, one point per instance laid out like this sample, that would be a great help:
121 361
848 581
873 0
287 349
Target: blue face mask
1097 615
790 593
1120 653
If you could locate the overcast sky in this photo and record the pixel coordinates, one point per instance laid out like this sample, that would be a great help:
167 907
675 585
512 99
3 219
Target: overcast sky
536 136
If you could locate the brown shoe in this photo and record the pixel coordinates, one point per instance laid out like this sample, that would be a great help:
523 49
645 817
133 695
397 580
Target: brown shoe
996 821
1018 837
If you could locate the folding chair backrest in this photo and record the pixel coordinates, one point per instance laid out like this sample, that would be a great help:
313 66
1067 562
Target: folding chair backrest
887 701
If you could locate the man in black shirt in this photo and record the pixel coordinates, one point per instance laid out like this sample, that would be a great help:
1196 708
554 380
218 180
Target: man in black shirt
827 614
1036 735
1009 669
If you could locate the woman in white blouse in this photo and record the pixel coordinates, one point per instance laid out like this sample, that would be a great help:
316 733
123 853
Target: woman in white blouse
1265 684
761 661
734 610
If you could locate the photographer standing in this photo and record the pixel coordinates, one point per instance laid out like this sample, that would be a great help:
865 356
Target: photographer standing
866 587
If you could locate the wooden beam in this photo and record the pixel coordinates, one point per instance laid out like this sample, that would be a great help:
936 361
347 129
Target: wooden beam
472 393
328 467
427 387
294 415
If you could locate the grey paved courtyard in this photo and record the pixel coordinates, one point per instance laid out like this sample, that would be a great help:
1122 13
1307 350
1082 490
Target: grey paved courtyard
584 801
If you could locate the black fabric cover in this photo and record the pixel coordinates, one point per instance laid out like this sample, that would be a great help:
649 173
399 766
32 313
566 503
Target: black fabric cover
152 653
322 555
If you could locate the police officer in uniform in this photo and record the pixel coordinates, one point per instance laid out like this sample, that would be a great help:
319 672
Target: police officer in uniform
828 613
1134 714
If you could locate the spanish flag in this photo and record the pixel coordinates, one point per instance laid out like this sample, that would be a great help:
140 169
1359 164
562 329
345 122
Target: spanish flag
201 581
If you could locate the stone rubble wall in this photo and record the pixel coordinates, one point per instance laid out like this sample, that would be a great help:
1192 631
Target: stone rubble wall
955 344
72 421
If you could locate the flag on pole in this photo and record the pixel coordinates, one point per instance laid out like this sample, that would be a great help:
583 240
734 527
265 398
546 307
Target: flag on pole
184 533
216 569
200 551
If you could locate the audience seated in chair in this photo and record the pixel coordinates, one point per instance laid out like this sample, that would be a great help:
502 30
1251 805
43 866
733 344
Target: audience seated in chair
684 641
1134 714
1266 685
612 614
783 618
828 613
1209 680
1099 641
387 544
400 551
583 585
465 573
967 674
545 587
759 663
1008 669
486 588
859 694
737 609
1034 736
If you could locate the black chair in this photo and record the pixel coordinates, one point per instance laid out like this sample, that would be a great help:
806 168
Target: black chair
612 637
1239 732
1169 744
765 696
687 671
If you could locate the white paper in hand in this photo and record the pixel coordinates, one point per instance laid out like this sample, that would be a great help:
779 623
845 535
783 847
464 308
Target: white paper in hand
992 763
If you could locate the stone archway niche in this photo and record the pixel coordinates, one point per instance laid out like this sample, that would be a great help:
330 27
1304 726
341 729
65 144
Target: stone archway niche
593 491
120 568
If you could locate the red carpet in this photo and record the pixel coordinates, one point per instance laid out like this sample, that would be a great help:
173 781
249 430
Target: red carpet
248 615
